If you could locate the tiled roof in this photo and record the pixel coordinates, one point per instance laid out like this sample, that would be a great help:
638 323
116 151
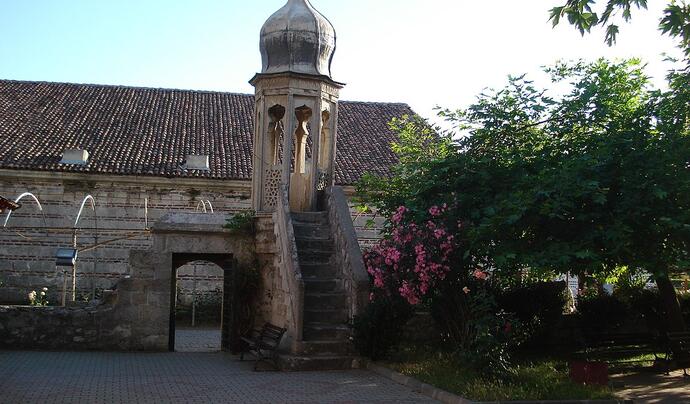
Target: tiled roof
148 132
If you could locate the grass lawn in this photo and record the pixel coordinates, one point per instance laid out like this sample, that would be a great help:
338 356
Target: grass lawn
538 380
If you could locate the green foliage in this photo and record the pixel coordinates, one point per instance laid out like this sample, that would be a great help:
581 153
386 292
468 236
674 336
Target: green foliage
545 380
418 144
378 330
582 15
636 307
475 329
601 313
87 297
241 222
207 308
587 183
538 306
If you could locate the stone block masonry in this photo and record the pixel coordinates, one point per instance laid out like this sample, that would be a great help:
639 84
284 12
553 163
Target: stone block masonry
27 250
122 322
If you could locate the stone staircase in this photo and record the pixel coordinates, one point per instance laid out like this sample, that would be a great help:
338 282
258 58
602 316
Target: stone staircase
326 337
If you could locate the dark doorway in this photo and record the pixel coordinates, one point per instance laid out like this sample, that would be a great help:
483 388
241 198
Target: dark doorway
201 302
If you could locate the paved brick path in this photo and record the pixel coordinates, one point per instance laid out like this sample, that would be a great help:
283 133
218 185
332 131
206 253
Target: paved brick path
95 377
197 340
653 388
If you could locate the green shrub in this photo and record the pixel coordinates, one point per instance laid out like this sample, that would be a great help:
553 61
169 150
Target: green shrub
644 306
475 329
602 313
242 222
538 306
378 330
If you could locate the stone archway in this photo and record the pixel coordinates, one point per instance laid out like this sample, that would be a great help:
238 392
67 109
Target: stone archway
179 238
228 326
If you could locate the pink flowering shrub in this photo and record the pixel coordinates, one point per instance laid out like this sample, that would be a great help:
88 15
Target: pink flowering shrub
415 256
421 261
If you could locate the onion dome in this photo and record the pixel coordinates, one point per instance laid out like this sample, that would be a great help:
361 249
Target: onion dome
297 39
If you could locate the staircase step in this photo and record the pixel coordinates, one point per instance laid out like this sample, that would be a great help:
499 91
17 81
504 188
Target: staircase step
302 363
328 316
326 332
314 244
318 270
327 348
312 285
323 301
311 231
310 217
314 256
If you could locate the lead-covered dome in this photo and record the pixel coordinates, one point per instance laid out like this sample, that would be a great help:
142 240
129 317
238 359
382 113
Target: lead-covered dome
297 39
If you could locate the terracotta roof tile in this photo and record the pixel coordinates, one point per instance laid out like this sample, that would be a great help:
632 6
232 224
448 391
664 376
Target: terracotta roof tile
146 131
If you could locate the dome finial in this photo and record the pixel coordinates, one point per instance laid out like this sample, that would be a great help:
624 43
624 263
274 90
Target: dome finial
298 39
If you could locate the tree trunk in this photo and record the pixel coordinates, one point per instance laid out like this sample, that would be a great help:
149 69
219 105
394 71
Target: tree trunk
670 304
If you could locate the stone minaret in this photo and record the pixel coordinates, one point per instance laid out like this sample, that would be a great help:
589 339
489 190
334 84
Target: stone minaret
296 108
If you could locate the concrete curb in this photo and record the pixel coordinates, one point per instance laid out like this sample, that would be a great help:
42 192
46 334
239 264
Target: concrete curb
426 389
561 402
450 398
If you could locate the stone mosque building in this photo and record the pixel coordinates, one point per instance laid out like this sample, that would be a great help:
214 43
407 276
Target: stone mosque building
141 182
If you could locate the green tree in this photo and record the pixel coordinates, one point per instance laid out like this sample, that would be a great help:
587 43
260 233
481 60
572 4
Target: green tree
584 16
587 183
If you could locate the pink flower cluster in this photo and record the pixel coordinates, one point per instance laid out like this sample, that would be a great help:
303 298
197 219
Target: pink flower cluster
414 257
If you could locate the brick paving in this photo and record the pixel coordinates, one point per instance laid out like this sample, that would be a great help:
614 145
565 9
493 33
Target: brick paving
97 377
654 388
197 340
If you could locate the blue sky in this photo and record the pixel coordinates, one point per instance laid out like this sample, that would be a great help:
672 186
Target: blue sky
422 52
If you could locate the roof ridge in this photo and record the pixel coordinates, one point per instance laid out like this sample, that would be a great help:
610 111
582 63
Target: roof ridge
186 90
122 86
404 104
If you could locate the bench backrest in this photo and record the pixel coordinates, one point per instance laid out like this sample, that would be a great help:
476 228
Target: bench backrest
621 339
271 335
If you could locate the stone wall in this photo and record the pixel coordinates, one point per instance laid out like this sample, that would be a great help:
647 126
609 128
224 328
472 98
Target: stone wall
131 318
28 245
271 293
136 314
27 251
348 254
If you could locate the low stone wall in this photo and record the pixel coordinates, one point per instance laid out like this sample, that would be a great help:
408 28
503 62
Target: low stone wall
70 328
348 254
129 319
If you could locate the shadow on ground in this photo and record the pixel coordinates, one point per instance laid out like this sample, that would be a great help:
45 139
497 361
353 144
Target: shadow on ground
651 388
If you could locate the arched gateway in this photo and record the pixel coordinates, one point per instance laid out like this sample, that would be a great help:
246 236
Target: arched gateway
178 239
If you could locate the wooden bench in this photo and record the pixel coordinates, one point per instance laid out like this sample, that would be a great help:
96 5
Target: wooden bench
677 350
263 344
616 347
